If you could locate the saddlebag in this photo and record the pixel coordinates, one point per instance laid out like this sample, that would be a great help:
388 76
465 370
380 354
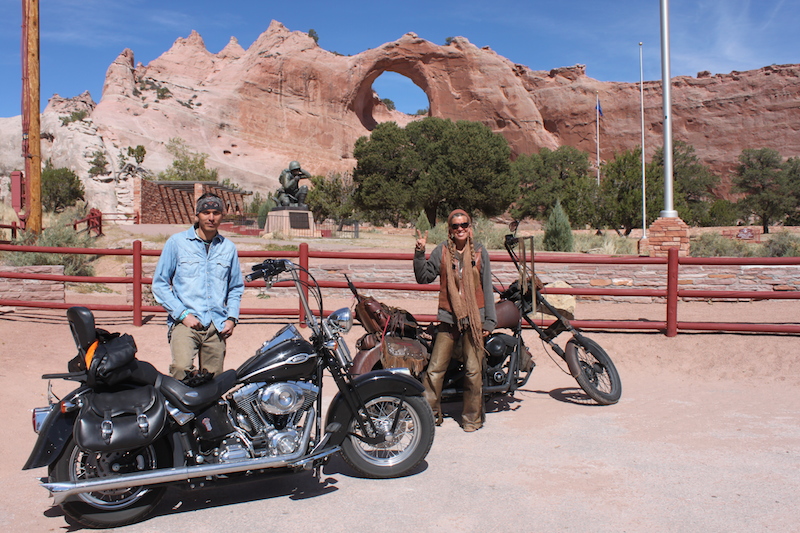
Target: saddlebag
402 352
110 421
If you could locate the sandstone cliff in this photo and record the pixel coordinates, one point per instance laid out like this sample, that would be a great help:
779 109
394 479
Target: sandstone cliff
285 98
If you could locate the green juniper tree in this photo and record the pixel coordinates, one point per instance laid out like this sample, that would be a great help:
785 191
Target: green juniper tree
558 231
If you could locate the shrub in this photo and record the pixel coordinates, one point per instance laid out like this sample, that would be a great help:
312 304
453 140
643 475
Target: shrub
782 244
187 165
722 213
558 232
61 188
422 223
60 234
99 164
75 116
715 245
608 243
263 212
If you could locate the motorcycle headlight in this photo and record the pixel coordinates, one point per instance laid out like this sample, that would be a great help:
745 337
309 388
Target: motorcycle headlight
495 346
341 319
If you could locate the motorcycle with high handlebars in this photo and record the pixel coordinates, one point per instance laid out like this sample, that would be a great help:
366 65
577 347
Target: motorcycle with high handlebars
395 338
113 444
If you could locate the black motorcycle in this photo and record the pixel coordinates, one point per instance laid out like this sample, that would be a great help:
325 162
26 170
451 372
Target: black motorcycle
394 338
113 443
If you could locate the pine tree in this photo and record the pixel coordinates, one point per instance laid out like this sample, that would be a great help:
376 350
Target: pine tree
557 231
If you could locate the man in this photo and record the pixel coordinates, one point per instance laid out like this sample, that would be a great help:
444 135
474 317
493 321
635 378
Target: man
291 193
199 282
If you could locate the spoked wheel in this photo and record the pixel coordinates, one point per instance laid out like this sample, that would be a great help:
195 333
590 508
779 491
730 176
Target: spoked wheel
110 508
408 427
591 366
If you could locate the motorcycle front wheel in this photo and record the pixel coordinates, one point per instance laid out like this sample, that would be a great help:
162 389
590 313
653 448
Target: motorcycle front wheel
593 369
110 508
408 426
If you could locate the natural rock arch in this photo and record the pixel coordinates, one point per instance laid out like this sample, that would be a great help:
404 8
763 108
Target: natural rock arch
364 101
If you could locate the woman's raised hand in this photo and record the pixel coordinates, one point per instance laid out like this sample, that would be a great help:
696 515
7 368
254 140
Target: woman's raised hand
422 240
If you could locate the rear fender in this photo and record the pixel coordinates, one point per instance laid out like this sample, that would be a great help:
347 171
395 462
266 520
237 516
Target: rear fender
56 430
368 385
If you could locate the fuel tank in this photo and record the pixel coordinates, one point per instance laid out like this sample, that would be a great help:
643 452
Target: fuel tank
288 356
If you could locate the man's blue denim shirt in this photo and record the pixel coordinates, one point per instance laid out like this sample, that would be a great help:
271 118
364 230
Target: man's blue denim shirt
208 285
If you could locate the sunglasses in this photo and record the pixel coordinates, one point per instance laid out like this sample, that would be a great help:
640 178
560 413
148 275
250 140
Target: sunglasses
463 225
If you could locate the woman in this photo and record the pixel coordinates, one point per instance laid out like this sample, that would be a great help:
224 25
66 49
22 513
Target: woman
466 308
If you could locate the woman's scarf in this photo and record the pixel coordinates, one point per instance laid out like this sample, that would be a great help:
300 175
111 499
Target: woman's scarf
461 289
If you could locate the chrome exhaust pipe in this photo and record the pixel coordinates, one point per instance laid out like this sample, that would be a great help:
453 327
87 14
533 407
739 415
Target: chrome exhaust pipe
60 491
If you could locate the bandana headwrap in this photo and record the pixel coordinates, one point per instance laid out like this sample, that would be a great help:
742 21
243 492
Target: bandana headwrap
457 213
209 203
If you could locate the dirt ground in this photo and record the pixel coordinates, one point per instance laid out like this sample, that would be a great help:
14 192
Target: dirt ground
706 437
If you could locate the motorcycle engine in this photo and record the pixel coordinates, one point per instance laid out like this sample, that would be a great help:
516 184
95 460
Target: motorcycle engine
269 414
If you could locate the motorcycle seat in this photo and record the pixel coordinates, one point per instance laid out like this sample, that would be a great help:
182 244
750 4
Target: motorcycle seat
191 399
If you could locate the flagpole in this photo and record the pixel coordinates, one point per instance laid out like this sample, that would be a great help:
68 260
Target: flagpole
597 133
641 102
669 210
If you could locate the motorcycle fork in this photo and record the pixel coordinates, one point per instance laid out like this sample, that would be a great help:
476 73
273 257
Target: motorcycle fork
357 406
552 331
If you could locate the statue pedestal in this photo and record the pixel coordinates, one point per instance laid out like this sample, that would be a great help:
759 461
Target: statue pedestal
290 222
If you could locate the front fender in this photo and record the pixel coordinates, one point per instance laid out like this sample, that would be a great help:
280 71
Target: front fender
367 386
56 430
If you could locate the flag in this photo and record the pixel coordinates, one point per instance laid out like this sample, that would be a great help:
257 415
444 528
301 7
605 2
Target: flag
599 109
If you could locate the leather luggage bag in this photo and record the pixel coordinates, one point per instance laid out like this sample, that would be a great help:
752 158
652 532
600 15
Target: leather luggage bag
402 352
371 314
123 420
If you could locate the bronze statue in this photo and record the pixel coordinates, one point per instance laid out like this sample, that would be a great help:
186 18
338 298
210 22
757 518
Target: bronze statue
291 194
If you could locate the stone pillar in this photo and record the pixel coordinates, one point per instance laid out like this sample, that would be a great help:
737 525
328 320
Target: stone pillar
666 233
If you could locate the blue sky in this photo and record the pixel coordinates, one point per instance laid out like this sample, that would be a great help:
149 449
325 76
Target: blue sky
80 38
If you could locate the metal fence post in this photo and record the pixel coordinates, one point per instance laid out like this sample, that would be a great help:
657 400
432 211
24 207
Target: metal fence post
672 292
137 283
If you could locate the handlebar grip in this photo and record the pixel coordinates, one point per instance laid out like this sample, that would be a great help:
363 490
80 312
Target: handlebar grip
254 276
267 268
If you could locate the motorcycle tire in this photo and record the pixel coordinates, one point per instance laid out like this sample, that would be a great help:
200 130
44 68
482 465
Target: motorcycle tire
593 369
112 508
408 446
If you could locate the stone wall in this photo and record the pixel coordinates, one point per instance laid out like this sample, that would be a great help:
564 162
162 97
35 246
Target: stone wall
32 289
696 277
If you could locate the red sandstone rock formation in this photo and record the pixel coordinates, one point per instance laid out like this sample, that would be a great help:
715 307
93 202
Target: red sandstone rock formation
285 98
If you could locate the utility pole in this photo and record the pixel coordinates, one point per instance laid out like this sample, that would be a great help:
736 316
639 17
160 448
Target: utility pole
31 125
